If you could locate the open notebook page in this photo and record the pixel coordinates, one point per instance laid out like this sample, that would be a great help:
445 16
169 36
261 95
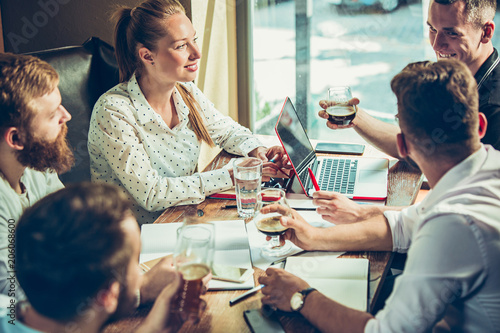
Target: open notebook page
344 280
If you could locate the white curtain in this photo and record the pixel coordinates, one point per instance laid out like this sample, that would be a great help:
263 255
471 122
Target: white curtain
215 24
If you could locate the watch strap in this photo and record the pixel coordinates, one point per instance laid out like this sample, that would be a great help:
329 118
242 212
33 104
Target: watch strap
305 292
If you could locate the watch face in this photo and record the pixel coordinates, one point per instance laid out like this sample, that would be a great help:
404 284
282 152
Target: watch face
296 301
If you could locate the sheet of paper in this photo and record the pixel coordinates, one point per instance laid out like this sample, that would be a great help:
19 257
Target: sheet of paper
300 201
231 247
343 280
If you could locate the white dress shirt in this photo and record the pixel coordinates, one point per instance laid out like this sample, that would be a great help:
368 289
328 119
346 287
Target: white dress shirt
130 145
451 280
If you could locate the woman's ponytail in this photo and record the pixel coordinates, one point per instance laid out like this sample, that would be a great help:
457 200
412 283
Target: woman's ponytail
127 61
194 116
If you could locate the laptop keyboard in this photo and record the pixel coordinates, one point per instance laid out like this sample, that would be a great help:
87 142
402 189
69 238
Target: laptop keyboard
338 175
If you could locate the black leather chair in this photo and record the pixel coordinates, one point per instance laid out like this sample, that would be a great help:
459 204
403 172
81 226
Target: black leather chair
86 72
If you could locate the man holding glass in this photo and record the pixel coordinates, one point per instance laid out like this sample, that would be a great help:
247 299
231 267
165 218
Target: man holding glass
77 253
458 29
452 238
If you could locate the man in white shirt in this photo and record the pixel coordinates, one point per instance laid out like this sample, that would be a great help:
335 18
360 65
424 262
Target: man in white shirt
78 251
452 238
33 147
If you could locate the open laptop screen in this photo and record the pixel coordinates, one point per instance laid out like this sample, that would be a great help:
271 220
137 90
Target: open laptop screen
294 137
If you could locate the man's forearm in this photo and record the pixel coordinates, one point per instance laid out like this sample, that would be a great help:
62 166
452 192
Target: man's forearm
330 316
377 133
373 234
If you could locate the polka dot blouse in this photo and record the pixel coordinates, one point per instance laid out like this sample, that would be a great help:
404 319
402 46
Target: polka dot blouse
130 145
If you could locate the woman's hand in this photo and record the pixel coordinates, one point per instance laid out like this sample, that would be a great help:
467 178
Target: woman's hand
274 154
275 162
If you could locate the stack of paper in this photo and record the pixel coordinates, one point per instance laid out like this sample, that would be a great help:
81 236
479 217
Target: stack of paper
231 247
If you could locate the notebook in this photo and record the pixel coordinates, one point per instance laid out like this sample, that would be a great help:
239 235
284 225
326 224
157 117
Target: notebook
345 280
231 248
228 195
357 178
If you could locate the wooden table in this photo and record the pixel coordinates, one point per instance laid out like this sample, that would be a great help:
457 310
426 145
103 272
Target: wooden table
404 183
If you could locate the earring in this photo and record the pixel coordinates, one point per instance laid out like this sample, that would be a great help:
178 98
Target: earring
152 63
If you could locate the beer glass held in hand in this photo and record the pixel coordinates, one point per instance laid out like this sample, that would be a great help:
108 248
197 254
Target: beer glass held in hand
270 223
339 110
193 257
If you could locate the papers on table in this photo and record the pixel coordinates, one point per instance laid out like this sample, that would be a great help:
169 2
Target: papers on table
343 280
231 247
236 244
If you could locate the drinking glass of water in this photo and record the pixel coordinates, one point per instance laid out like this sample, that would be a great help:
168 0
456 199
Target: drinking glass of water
247 177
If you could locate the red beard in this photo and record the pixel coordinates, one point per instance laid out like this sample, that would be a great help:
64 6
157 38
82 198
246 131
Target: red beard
41 155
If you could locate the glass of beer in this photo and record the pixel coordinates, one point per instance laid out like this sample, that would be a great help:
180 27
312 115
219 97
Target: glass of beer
339 110
193 257
270 223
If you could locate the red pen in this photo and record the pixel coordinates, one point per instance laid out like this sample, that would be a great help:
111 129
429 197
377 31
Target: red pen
313 179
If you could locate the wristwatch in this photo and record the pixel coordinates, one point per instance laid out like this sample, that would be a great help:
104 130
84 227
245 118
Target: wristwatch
298 299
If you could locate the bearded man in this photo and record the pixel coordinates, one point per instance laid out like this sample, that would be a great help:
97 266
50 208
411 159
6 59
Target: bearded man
33 152
33 148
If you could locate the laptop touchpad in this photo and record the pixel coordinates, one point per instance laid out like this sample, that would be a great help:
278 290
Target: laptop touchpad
371 176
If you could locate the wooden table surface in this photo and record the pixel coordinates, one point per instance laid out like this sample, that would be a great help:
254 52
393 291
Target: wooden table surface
404 183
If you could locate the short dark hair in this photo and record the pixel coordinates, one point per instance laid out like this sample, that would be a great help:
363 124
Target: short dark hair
437 105
70 245
477 11
22 79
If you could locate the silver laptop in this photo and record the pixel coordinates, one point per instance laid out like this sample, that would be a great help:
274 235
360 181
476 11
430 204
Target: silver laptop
357 178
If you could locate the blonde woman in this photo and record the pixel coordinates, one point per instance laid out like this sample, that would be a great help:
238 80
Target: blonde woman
145 133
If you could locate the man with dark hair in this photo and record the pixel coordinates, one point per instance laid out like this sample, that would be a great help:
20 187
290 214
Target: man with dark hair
458 29
77 254
33 147
450 281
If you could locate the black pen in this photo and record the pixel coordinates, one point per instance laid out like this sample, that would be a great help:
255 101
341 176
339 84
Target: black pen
229 206
245 295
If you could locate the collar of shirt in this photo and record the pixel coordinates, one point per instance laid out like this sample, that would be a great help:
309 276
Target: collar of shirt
454 176
486 68
145 113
